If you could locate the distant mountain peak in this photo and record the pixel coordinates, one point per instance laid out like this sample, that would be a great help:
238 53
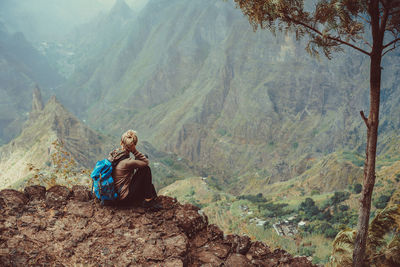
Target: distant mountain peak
35 146
37 103
121 9
53 108
53 100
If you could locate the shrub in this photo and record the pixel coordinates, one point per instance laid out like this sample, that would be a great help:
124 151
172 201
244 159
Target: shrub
254 198
340 217
331 233
267 225
324 216
343 208
357 188
339 197
271 209
382 201
221 131
307 251
309 207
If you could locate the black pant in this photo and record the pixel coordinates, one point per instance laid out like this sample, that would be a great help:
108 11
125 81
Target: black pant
141 187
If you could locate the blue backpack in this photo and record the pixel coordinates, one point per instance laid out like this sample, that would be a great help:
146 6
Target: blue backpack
103 183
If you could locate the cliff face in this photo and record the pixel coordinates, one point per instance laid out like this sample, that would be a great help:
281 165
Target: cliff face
66 227
21 67
194 79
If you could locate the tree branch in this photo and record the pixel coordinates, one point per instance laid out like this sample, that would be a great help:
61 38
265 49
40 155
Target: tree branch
391 49
364 19
390 43
384 19
364 118
348 44
394 13
337 39
366 42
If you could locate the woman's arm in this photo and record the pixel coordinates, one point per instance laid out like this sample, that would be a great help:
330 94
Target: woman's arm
140 161
140 156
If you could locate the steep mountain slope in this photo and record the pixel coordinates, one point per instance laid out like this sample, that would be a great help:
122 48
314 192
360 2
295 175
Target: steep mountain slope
195 79
257 215
85 42
54 139
21 68
49 128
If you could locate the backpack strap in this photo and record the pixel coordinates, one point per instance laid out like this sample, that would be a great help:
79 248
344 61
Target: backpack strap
116 156
115 162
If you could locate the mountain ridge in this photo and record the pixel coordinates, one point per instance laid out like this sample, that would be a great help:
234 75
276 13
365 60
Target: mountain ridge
54 139
48 124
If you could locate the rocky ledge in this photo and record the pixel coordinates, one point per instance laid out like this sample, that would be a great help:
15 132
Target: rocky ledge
63 227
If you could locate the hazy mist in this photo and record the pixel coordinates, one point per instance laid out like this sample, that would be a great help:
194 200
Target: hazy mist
49 20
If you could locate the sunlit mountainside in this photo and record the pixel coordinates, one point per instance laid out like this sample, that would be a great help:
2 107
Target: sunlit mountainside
245 125
56 147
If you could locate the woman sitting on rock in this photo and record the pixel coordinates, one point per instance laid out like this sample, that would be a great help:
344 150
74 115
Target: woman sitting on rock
132 176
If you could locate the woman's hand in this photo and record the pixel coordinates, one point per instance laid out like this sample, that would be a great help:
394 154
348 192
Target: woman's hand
133 149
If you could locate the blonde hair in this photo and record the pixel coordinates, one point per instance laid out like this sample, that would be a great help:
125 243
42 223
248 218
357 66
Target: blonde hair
128 139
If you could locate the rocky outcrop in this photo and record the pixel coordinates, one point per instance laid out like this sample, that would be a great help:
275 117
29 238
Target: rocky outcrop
64 227
51 130
37 103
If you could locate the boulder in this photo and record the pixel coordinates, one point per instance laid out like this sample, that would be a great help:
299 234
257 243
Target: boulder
35 192
258 250
81 193
218 249
176 245
238 260
13 199
190 220
57 196
207 258
239 244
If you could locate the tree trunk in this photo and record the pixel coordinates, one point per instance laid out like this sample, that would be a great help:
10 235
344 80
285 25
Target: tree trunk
369 173
372 137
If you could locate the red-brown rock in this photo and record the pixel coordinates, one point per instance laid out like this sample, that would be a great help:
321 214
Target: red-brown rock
258 250
239 244
238 260
35 192
80 209
81 193
57 196
12 199
190 220
65 230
